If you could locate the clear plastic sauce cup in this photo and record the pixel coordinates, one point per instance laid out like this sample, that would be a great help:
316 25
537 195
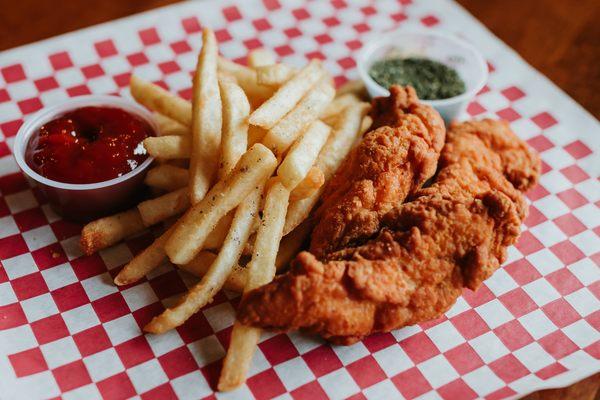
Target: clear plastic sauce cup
84 202
444 48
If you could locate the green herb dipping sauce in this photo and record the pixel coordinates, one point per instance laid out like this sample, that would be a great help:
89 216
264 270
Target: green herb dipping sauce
432 80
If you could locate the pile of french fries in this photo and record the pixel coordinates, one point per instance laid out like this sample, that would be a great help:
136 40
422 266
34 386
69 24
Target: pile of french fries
241 168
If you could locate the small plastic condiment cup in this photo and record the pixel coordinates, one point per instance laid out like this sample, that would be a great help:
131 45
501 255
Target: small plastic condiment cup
84 202
442 47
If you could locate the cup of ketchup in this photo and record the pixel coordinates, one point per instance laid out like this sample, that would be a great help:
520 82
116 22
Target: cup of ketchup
87 155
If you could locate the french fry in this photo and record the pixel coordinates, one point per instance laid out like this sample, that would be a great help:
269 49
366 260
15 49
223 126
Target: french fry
140 265
284 115
169 127
260 58
168 147
193 228
274 75
366 124
158 99
154 255
176 162
261 271
167 177
160 208
309 185
255 134
215 239
246 78
356 87
203 292
287 130
338 105
302 155
299 210
206 119
226 77
287 96
340 142
234 140
201 263
242 346
105 232
291 244
337 147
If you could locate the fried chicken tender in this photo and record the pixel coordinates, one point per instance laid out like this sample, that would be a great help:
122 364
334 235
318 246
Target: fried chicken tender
448 236
391 162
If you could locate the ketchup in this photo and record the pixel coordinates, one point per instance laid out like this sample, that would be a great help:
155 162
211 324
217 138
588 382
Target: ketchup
88 145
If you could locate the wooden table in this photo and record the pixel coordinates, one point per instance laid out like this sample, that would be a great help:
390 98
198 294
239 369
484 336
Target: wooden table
560 38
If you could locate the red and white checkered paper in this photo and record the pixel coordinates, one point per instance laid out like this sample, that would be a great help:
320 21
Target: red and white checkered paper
67 331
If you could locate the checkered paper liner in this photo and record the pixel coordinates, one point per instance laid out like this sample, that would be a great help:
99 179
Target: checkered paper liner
67 331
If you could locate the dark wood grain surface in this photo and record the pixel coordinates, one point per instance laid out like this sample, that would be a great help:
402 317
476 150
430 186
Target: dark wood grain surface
560 38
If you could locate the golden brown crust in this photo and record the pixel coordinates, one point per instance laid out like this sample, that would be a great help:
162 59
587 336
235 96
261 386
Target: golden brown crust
392 161
450 235
520 165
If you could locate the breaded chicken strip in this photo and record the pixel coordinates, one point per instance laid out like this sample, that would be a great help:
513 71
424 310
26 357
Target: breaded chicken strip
391 162
448 236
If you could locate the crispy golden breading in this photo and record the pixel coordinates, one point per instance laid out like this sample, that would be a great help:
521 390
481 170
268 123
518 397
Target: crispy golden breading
446 237
391 162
